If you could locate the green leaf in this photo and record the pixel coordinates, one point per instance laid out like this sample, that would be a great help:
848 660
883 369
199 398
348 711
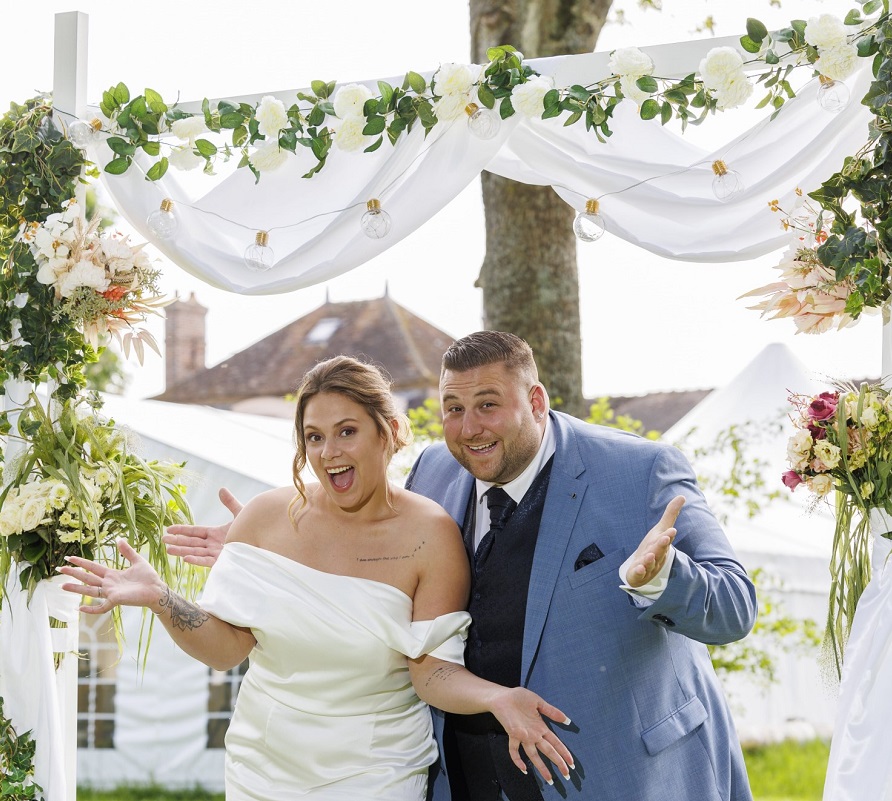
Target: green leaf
551 111
872 7
120 146
750 45
649 109
157 170
374 146
756 30
231 119
316 116
155 101
320 89
417 83
853 17
665 113
151 148
506 108
867 46
239 136
117 166
121 93
206 148
485 95
374 126
573 118
798 26
386 91
647 84
771 57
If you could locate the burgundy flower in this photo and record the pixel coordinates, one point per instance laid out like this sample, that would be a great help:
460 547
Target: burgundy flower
824 406
791 479
817 432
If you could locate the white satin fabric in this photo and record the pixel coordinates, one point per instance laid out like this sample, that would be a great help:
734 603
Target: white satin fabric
37 697
326 710
654 184
859 768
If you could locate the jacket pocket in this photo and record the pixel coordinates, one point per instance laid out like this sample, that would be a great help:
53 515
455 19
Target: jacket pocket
675 726
607 563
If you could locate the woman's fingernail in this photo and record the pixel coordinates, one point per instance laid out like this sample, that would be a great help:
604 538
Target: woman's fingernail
567 721
523 771
572 766
550 782
566 776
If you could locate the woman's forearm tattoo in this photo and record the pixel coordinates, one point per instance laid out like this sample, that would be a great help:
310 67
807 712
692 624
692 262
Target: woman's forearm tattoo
442 673
183 615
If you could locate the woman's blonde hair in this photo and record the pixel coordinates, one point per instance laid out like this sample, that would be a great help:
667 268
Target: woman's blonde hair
365 384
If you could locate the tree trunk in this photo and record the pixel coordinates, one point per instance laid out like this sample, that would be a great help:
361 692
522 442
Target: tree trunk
529 276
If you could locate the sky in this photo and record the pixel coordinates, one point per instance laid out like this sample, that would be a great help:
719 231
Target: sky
648 323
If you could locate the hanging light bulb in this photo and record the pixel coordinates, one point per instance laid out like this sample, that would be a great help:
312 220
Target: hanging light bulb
726 183
482 122
589 225
259 256
375 223
162 222
833 96
82 133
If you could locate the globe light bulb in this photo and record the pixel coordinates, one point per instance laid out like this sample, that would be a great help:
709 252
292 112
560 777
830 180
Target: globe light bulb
726 183
162 222
589 225
833 96
375 223
259 256
82 133
482 122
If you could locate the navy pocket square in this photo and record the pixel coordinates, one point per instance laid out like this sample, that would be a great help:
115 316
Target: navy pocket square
588 555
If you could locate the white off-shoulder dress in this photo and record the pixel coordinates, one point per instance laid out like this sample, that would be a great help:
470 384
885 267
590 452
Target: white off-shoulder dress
326 710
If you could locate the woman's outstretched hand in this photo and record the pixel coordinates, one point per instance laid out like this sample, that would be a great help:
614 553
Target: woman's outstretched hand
201 545
521 713
137 585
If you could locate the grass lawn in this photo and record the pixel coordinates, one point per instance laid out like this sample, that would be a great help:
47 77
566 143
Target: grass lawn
783 772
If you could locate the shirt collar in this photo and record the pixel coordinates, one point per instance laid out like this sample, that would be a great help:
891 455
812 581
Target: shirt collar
517 488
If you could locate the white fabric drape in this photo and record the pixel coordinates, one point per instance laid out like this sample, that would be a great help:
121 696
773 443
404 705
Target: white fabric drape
37 697
859 767
655 186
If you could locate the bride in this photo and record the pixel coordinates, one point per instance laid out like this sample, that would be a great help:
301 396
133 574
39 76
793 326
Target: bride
347 596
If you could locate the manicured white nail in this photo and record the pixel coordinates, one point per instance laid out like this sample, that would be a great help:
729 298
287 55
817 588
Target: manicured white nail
567 721
550 782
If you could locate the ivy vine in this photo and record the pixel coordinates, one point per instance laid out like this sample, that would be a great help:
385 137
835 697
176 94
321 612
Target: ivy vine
17 764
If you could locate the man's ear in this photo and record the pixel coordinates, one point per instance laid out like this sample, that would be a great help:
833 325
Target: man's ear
539 401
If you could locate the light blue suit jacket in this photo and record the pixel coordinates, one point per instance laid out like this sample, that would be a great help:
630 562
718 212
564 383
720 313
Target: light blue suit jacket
650 722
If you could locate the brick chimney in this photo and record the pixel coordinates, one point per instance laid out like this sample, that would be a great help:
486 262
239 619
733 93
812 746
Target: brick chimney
184 340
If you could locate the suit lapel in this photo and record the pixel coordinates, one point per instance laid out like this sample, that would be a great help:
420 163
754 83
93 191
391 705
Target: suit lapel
562 504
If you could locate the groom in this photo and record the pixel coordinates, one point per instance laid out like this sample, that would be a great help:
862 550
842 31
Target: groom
571 597
650 722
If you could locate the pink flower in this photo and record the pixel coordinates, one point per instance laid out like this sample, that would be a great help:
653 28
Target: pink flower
791 479
817 432
824 406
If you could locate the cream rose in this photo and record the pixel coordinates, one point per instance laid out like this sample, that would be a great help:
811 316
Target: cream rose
828 453
630 61
32 512
528 98
454 79
350 99
188 128
838 63
84 273
820 485
184 158
268 156
825 31
349 136
629 85
271 117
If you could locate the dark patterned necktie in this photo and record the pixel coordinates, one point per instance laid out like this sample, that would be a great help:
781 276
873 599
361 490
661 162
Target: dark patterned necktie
501 507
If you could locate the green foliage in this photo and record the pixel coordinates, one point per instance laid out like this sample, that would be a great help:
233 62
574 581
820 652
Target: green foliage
16 764
426 421
773 633
146 793
787 771
39 170
601 413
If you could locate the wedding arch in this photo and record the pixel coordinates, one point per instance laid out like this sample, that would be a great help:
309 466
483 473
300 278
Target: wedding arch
308 202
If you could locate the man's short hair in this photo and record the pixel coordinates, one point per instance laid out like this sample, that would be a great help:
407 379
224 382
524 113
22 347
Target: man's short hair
483 348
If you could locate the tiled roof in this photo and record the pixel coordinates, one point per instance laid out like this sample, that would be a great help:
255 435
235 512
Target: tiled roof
379 331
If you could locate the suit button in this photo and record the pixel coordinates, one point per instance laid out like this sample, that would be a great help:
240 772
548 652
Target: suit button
476 596
665 620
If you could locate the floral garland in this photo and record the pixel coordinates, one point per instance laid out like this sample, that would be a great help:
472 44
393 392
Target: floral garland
16 763
843 442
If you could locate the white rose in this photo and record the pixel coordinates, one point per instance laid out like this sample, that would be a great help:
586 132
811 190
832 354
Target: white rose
528 98
10 518
454 79
349 100
631 90
188 128
271 117
84 273
820 485
828 453
869 417
184 158
630 61
349 136
838 63
451 107
734 93
33 510
720 65
825 31
268 156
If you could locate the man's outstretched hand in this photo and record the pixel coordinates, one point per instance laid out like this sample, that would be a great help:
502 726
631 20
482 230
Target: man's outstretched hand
651 555
201 545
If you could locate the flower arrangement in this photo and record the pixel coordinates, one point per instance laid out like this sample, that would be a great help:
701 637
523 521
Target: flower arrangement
843 442
100 282
77 487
